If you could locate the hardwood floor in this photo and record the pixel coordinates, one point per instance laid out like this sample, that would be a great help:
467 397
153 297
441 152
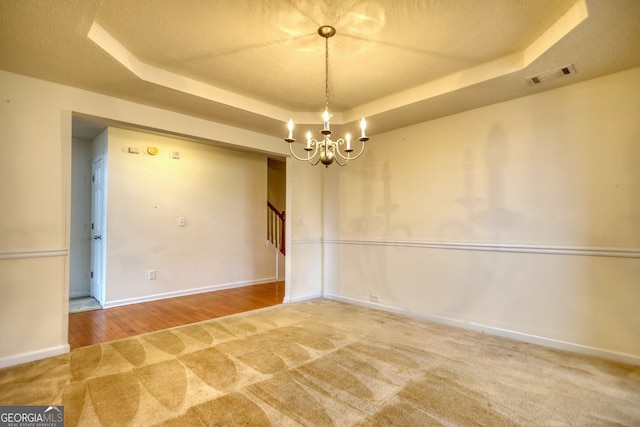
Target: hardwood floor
93 327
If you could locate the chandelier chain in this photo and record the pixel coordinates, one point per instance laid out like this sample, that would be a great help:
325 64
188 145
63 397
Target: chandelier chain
326 73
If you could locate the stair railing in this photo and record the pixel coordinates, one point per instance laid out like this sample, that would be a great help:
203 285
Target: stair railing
275 227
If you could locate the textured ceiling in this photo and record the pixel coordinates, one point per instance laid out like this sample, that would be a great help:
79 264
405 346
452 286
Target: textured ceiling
254 64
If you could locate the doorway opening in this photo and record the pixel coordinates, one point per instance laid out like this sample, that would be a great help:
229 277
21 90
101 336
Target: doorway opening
88 216
87 221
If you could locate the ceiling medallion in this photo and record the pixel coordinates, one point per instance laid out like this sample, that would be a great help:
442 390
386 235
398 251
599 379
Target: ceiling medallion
326 150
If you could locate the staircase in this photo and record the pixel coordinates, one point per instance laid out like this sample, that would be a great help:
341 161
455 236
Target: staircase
275 228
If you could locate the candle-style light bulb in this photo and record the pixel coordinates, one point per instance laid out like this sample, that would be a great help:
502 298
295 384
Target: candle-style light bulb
325 117
308 139
363 126
348 137
290 127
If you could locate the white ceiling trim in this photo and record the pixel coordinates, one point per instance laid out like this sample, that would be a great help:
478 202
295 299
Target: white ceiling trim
560 29
103 39
454 82
158 76
254 65
480 73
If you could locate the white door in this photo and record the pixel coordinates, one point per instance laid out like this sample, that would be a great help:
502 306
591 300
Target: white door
97 228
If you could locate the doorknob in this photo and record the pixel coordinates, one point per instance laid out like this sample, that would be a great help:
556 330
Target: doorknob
97 237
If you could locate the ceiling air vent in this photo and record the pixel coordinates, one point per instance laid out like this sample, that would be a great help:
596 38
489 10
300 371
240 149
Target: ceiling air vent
551 75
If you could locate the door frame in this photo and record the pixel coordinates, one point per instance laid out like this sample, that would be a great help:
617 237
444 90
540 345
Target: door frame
98 230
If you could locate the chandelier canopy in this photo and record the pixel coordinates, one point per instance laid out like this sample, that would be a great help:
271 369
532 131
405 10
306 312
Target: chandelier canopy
325 150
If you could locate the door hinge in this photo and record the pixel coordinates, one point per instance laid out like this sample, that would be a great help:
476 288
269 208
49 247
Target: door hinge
92 274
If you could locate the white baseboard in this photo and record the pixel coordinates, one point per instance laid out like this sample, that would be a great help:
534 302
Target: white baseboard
515 335
185 292
19 359
302 298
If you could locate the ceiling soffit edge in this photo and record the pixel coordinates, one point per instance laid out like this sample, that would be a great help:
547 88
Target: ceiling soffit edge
484 72
170 80
451 83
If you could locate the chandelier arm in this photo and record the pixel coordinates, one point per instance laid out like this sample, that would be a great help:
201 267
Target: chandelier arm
316 162
309 155
349 156
337 159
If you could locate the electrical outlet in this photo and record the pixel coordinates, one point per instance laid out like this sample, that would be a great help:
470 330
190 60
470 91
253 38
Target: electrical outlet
375 298
151 275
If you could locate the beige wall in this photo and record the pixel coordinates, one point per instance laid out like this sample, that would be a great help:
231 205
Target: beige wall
220 193
304 230
520 218
35 202
33 224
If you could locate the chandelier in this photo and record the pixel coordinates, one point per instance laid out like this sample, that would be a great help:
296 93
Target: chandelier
326 150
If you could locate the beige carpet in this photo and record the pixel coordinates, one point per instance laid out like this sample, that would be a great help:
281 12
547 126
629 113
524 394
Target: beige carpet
326 363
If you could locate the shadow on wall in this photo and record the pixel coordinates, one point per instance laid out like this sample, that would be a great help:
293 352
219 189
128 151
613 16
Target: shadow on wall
488 211
377 223
387 207
487 218
495 215
365 225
